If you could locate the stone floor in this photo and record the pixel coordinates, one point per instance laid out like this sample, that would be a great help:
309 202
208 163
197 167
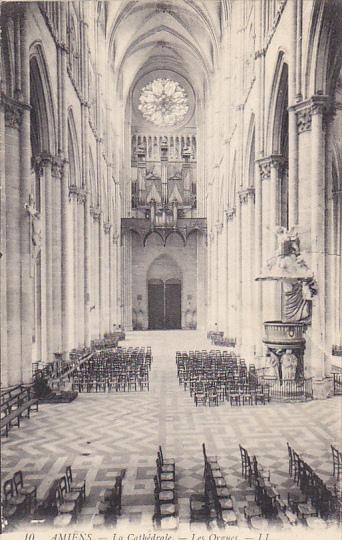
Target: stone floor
99 434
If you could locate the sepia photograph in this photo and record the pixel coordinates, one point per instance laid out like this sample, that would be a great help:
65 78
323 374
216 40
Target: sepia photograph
170 269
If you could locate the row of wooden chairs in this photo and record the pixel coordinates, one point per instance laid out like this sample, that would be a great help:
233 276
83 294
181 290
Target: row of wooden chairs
18 500
63 502
215 503
312 497
165 495
268 503
118 370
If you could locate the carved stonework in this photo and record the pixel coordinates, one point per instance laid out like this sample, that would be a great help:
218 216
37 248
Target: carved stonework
107 227
318 104
81 196
95 212
13 115
230 213
219 227
115 239
265 169
304 118
57 168
73 190
247 194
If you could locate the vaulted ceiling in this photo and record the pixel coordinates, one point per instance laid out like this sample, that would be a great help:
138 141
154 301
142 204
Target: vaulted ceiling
181 35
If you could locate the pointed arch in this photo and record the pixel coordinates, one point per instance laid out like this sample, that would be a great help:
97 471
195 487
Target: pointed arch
93 188
73 152
150 233
177 233
7 61
250 153
324 48
278 107
43 124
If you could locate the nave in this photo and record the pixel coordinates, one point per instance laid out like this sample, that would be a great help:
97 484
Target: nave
99 434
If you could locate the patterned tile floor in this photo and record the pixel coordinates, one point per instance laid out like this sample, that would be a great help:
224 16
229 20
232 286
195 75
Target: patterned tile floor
99 434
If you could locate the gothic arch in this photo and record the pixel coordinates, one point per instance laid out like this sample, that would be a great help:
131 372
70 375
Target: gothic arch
73 152
43 125
324 50
177 233
232 190
150 234
164 267
250 153
7 62
278 106
93 187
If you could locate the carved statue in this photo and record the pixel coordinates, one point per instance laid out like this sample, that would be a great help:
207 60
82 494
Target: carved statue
35 226
272 369
289 365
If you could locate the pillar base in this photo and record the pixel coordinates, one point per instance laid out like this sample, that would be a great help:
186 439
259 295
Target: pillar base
322 388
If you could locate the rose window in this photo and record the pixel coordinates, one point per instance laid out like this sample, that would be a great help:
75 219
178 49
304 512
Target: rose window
163 102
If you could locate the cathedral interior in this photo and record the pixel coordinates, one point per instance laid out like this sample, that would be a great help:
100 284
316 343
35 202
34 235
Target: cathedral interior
170 255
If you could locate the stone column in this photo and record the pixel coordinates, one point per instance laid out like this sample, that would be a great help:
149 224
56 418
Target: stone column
3 253
107 229
13 121
247 307
230 275
66 263
318 239
127 281
101 277
87 271
25 188
57 166
46 164
238 248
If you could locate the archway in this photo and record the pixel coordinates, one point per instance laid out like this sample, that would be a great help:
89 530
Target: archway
164 284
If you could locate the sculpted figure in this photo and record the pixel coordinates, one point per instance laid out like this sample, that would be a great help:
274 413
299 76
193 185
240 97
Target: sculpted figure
289 365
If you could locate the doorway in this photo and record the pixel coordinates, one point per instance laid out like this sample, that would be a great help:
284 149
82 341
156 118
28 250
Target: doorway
164 304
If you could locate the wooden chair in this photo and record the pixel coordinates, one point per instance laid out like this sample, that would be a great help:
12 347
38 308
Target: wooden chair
167 465
75 486
69 496
199 509
111 506
12 498
290 453
165 475
208 459
30 492
245 462
164 495
63 506
337 462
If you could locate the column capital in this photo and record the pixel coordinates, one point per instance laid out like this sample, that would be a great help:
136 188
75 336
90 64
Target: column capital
247 194
218 227
14 110
275 161
107 226
57 167
72 192
304 110
115 238
95 212
230 213
81 196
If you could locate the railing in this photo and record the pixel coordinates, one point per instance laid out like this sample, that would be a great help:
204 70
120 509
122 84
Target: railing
337 378
288 390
